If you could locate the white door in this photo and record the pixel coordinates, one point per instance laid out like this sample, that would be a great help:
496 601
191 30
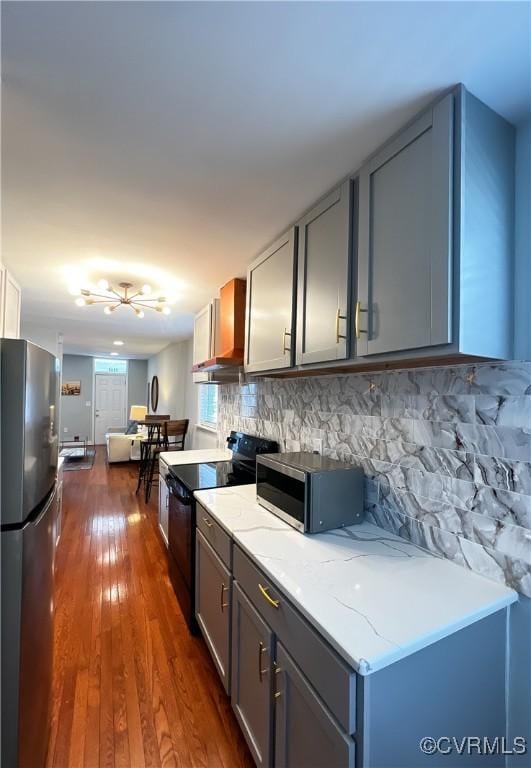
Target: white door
109 404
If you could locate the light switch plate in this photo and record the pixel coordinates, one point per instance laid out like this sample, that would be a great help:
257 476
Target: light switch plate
88 403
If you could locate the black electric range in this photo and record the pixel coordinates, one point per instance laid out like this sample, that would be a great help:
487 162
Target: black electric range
182 481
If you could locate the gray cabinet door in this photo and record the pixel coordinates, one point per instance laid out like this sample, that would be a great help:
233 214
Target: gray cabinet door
405 239
305 733
251 677
212 605
270 331
324 276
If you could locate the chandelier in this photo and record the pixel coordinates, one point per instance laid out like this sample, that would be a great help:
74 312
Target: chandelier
126 294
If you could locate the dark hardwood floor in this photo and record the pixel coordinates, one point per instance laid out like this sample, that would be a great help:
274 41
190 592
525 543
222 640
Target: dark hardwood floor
131 688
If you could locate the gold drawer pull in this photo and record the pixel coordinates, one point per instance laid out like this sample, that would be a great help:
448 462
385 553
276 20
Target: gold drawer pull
207 522
339 317
284 348
357 329
261 672
222 605
265 593
278 670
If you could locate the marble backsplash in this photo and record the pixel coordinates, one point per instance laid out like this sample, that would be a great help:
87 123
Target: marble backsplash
446 451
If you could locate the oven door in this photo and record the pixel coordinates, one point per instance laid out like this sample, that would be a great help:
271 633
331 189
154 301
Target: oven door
283 491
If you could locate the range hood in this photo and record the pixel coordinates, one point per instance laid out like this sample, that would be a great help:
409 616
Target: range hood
229 356
228 375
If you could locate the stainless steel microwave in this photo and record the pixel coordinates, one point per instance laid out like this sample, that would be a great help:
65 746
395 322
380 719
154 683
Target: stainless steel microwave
310 492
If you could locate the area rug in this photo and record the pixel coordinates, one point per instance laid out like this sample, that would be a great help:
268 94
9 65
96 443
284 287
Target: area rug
74 460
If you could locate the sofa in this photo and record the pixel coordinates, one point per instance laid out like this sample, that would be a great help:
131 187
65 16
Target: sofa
122 447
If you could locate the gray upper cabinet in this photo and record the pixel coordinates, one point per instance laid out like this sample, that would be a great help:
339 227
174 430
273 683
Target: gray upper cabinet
405 239
435 237
305 733
324 270
411 260
213 597
252 643
270 317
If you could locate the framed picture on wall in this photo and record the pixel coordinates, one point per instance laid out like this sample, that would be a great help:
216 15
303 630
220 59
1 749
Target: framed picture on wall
71 388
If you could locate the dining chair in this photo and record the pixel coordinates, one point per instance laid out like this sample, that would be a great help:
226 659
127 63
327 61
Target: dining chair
173 439
154 438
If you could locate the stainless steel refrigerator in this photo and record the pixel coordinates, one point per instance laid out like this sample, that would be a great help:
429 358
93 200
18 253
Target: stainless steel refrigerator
29 389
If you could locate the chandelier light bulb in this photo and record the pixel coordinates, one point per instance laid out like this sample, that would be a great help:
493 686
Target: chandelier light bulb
166 310
125 294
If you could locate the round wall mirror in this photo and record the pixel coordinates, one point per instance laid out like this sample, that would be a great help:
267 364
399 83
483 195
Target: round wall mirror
154 393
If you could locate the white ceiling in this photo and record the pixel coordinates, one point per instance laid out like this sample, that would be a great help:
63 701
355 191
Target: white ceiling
171 142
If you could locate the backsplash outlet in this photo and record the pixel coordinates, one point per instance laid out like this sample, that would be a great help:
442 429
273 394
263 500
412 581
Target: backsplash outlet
446 451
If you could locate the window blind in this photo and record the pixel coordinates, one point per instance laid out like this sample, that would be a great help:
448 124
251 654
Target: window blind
208 405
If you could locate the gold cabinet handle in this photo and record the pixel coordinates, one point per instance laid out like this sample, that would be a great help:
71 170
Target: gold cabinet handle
339 317
278 670
284 348
222 605
261 672
265 593
357 329
207 522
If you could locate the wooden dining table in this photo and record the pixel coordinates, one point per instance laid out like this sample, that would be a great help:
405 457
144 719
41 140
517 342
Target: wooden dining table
152 425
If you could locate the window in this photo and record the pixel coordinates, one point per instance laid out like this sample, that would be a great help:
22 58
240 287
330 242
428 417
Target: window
102 365
208 405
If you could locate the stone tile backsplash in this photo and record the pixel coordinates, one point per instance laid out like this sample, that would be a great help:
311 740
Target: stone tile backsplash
446 451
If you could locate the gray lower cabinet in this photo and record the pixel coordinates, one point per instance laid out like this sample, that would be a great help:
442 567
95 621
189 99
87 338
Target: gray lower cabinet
300 706
213 605
324 269
252 643
164 500
270 316
305 733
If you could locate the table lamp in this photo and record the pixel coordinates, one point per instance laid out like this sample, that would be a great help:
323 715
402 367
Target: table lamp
138 413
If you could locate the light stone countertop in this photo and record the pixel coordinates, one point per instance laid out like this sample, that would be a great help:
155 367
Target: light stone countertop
374 596
176 458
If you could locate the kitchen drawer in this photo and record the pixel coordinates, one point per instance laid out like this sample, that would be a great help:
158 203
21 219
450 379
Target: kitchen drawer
215 535
334 681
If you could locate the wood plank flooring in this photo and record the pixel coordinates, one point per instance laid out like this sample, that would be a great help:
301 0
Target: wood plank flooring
132 687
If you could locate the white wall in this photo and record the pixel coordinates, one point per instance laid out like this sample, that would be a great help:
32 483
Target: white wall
170 365
76 415
200 437
136 383
177 392
45 337
523 242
